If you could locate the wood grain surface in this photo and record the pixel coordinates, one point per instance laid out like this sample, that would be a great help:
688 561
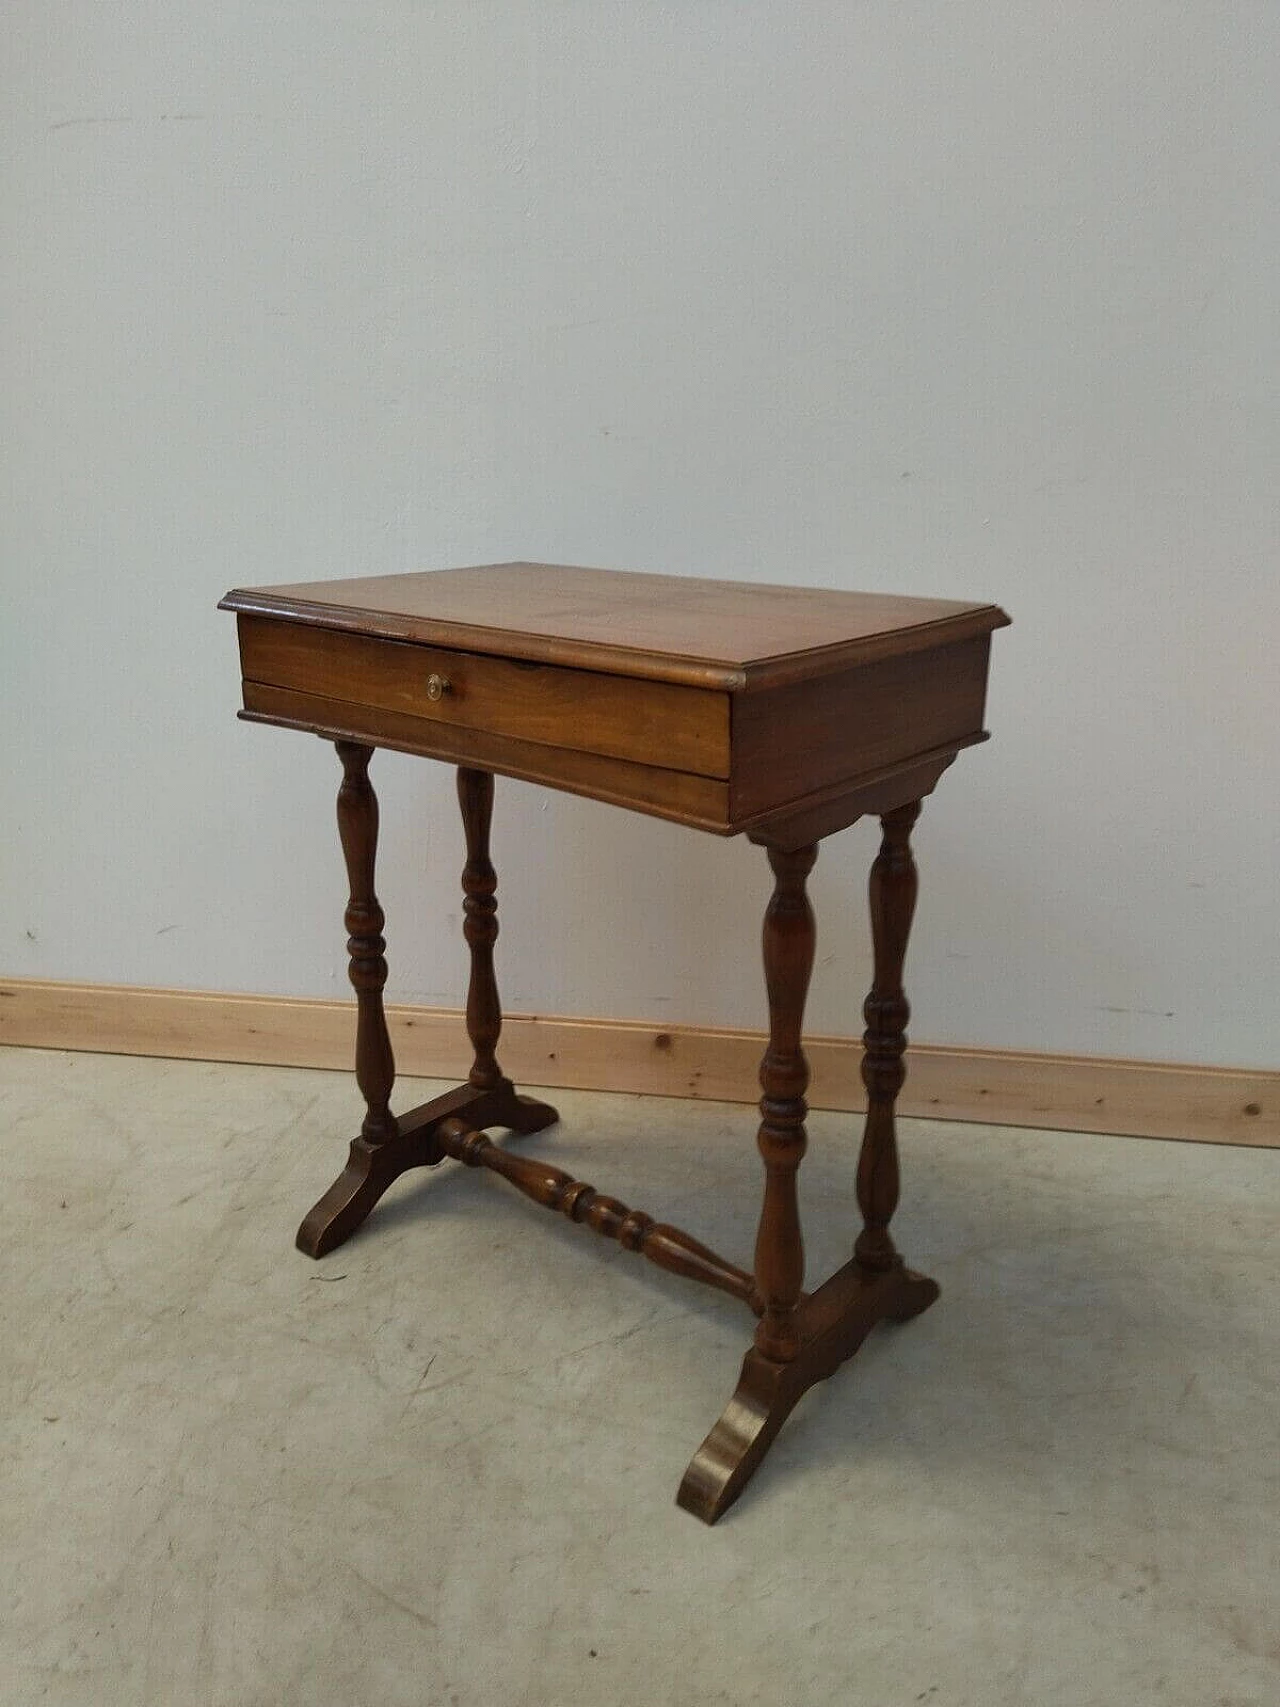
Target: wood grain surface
653 723
699 801
1199 1103
727 634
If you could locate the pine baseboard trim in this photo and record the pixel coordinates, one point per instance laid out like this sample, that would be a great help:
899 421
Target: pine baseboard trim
1212 1105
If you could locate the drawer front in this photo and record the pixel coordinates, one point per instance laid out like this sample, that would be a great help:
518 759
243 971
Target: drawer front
679 795
652 723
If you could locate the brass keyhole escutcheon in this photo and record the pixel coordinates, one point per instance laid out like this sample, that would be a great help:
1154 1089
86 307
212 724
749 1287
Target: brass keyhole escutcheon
437 686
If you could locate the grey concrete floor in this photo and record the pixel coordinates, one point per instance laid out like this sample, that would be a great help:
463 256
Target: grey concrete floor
439 1466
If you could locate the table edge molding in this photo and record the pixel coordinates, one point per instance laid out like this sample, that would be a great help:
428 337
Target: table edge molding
660 666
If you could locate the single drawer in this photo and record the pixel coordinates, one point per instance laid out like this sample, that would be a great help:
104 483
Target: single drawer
625 717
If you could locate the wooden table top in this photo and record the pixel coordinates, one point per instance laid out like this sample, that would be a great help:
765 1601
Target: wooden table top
726 634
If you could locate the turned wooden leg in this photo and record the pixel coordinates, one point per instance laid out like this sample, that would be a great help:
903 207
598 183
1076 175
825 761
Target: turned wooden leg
771 1379
364 919
893 889
480 926
388 1147
354 1193
784 1077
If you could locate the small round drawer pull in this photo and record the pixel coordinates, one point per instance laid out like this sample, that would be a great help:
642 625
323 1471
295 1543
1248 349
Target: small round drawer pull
438 686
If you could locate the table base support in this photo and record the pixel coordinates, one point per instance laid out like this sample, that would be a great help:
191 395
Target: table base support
667 1246
832 1323
371 1167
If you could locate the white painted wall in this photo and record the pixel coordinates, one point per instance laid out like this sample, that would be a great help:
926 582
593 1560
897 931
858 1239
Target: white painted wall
975 299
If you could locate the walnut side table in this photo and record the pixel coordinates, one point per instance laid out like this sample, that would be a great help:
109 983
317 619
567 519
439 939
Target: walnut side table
783 712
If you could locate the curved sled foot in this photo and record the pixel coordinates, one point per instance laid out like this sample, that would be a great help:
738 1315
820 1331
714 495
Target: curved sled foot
916 1294
371 1168
727 1459
833 1323
369 1171
527 1114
